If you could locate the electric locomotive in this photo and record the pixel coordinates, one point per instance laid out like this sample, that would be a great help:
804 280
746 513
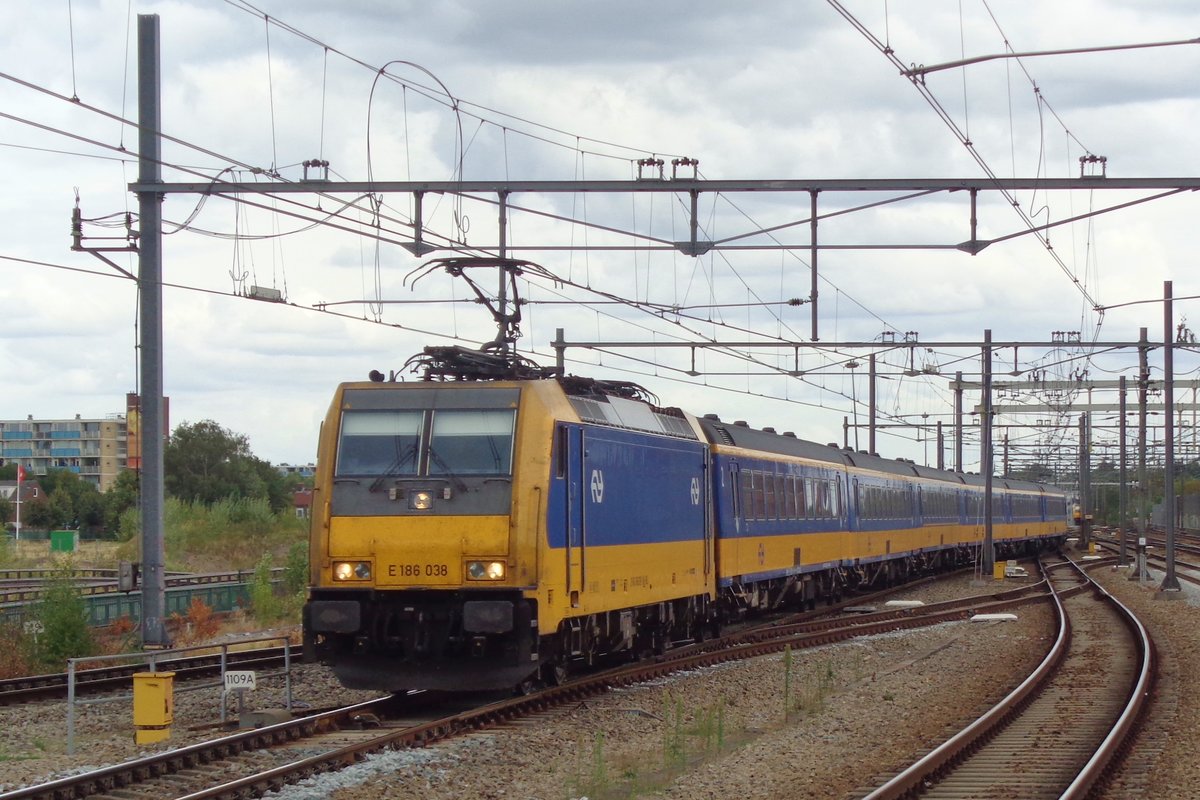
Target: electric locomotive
481 535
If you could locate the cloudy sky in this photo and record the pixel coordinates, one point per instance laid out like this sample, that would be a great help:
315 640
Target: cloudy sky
403 91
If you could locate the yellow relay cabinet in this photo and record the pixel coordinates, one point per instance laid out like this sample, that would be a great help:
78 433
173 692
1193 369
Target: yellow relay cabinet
153 706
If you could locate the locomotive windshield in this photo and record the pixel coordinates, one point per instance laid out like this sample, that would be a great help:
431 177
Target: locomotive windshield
379 443
447 442
471 442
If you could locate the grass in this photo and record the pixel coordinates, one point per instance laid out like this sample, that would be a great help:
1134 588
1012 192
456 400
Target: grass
689 737
231 534
693 736
6 756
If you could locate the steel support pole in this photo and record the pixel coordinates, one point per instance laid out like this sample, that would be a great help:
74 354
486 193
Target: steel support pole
1139 564
1085 483
985 456
812 258
958 422
1170 581
502 335
150 334
871 403
1123 489
941 446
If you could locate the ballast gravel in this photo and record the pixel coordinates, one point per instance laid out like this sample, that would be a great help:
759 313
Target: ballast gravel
825 723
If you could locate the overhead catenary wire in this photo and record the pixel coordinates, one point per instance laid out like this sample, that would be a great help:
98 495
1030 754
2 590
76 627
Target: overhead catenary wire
964 140
637 294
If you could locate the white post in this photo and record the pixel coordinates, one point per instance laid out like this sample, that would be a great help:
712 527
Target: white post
70 706
17 524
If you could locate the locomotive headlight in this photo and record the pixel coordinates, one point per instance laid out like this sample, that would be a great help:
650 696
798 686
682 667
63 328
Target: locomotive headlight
351 570
486 570
421 500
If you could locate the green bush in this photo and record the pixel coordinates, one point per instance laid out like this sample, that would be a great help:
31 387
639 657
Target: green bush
295 570
229 534
65 630
265 604
271 604
129 524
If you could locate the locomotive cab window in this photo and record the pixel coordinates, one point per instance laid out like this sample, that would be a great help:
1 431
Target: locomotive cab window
379 443
471 442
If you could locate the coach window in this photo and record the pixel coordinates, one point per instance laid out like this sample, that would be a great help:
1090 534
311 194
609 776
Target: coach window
747 480
379 443
472 442
789 497
822 504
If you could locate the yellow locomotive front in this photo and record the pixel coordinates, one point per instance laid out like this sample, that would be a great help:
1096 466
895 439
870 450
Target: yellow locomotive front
423 542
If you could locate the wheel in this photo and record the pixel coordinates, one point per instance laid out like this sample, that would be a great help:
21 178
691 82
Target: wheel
529 686
555 673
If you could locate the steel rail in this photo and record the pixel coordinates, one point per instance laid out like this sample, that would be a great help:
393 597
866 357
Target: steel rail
925 772
1115 743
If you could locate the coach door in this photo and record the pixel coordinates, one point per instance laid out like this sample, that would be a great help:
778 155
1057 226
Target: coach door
706 497
575 519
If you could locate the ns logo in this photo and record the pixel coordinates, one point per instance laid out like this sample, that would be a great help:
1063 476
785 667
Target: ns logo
596 485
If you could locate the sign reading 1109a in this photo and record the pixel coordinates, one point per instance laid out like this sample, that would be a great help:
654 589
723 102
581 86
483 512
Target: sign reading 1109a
240 679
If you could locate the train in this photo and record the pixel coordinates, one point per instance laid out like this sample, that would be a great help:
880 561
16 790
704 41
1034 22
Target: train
480 531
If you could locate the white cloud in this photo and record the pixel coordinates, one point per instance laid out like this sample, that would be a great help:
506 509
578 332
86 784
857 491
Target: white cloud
769 90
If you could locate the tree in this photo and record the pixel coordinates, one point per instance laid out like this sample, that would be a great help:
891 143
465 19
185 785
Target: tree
204 463
37 513
121 496
75 502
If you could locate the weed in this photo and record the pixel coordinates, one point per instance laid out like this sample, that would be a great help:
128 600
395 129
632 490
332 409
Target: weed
198 625
674 745
17 658
599 767
7 756
787 682
122 625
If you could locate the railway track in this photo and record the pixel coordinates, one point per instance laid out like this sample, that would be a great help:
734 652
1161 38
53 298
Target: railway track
1058 733
251 763
29 586
32 688
1185 570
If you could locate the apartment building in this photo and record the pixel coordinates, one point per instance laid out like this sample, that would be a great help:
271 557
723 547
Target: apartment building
94 449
